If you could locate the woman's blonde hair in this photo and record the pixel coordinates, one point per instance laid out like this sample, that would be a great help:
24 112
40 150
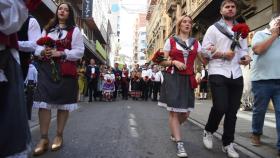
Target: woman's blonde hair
179 23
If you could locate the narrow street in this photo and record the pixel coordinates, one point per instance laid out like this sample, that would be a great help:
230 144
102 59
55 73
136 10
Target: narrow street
125 129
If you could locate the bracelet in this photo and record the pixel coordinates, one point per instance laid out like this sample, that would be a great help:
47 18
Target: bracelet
63 54
42 53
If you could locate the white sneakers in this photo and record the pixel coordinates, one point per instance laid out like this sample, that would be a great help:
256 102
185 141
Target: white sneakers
208 143
207 139
181 152
229 149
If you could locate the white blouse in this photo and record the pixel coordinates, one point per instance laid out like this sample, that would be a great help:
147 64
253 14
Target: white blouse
77 44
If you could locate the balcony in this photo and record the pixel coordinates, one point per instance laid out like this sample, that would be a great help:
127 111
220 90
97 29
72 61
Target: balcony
171 7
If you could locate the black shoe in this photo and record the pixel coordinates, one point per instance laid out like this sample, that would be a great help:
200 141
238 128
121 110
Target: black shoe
90 101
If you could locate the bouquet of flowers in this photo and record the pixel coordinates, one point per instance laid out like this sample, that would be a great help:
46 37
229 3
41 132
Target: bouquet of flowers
158 57
240 30
48 42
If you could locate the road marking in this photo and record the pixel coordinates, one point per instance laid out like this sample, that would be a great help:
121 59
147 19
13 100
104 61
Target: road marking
128 107
131 116
249 118
133 132
133 125
132 122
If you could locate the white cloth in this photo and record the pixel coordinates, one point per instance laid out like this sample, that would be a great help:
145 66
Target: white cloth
34 33
109 76
44 105
32 74
92 70
13 13
77 44
158 77
222 43
147 72
202 74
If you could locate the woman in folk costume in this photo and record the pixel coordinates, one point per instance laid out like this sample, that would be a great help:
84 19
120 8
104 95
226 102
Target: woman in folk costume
57 80
181 51
125 82
82 81
136 85
109 85
15 138
100 83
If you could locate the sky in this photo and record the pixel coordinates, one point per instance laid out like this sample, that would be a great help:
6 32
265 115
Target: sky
128 15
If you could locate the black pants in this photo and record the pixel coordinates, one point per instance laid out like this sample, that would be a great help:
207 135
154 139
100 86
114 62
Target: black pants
156 88
146 90
92 87
115 94
226 94
125 86
29 97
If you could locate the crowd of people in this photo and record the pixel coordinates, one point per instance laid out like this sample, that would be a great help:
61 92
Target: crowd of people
104 83
63 78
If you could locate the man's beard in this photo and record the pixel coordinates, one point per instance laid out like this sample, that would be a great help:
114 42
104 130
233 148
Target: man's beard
228 17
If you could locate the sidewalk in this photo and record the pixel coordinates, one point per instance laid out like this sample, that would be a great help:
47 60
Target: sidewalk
243 128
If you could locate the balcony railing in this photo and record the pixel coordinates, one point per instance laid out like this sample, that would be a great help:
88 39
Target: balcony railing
171 6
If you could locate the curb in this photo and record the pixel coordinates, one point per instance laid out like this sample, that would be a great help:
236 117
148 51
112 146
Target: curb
239 146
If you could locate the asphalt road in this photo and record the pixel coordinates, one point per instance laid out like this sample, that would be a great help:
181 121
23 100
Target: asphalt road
125 129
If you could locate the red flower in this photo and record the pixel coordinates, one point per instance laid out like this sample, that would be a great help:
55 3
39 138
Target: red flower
241 29
158 57
49 42
109 80
32 4
46 41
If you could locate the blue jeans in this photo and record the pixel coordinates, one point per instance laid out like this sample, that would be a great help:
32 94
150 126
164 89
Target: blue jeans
263 91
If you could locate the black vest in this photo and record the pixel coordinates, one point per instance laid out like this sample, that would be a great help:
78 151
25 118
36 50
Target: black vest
24 56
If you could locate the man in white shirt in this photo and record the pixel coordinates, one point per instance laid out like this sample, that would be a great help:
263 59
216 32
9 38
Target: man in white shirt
225 77
156 79
29 33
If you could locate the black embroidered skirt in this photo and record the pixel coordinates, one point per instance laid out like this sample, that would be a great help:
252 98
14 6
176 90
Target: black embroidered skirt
14 134
61 94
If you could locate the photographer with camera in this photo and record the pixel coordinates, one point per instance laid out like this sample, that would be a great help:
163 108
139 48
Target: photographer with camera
266 78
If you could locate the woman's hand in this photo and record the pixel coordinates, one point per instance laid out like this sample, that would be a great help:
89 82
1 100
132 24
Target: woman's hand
46 52
179 65
56 53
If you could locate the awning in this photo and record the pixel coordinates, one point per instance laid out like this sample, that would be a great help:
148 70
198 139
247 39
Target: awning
92 49
101 50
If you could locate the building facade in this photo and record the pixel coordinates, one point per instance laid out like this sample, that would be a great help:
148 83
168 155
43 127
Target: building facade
158 27
139 40
96 39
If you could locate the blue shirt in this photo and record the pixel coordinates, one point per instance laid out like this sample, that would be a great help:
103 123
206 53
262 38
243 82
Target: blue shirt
266 66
